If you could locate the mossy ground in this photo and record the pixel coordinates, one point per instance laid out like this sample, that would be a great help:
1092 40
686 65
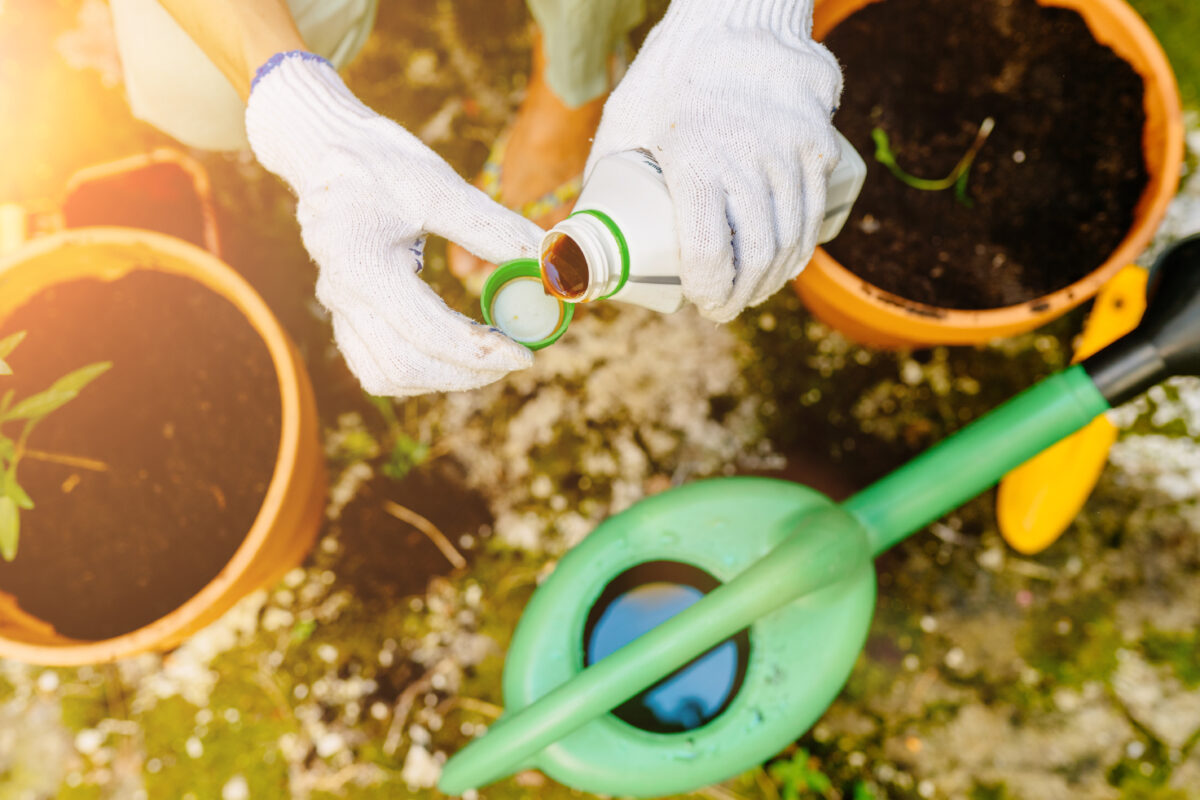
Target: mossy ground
986 675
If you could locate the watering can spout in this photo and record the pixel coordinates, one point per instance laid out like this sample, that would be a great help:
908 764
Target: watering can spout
1167 342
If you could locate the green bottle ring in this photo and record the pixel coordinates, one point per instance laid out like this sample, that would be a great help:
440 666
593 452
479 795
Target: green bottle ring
622 245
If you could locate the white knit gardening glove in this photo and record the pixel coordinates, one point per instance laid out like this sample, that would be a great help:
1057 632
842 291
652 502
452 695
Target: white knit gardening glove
369 191
734 100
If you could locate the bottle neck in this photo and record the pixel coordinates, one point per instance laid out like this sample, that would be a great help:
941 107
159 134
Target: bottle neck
601 250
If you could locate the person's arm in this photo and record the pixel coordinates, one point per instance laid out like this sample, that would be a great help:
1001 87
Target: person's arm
239 36
369 192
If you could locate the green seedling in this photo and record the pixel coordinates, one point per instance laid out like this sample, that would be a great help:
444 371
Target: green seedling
404 453
957 178
28 413
800 777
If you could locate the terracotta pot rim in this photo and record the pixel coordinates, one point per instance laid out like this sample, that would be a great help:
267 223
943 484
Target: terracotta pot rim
165 156
1161 92
210 272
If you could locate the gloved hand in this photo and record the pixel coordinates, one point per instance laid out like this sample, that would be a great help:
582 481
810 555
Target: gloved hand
734 100
369 191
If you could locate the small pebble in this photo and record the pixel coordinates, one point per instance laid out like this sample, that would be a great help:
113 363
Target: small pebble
991 559
88 741
330 743
193 747
236 789
47 682
1019 157
327 653
955 657
542 487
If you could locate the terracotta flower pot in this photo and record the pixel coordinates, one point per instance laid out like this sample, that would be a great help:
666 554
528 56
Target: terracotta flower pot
872 316
163 190
290 514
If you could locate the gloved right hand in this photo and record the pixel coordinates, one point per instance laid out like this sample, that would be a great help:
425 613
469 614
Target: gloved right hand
733 98
369 191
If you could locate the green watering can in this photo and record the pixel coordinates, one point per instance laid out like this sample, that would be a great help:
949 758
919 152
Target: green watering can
698 633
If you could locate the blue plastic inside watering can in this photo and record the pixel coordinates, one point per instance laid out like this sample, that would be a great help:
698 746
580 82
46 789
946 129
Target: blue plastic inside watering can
638 601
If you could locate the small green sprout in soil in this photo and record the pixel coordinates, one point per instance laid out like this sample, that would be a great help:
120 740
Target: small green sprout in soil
29 412
863 792
957 178
404 453
800 776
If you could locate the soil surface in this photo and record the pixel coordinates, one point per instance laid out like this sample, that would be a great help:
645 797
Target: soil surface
387 559
188 422
1055 186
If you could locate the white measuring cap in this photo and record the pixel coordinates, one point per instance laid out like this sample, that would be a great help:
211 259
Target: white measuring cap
515 302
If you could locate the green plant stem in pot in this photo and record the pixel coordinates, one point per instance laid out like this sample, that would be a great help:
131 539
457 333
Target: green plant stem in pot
28 412
957 178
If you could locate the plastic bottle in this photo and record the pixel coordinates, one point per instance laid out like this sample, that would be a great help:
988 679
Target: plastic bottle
621 244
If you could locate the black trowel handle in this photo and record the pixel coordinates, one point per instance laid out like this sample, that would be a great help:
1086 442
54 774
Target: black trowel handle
1167 342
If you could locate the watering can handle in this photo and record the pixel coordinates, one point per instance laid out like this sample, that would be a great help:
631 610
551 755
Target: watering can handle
832 547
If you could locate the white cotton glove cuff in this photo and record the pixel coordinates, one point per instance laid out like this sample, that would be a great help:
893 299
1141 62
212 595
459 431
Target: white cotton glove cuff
734 99
368 192
787 19
299 110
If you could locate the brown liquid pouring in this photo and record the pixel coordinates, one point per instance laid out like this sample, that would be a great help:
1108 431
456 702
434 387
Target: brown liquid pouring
565 270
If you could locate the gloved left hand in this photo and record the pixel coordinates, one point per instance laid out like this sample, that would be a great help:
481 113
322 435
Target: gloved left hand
369 191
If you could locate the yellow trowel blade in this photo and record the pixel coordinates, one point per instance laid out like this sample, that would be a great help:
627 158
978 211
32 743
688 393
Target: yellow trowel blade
1039 499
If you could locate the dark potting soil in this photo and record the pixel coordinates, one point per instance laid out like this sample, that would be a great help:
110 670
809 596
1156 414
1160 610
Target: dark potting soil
1055 186
159 197
385 559
188 422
